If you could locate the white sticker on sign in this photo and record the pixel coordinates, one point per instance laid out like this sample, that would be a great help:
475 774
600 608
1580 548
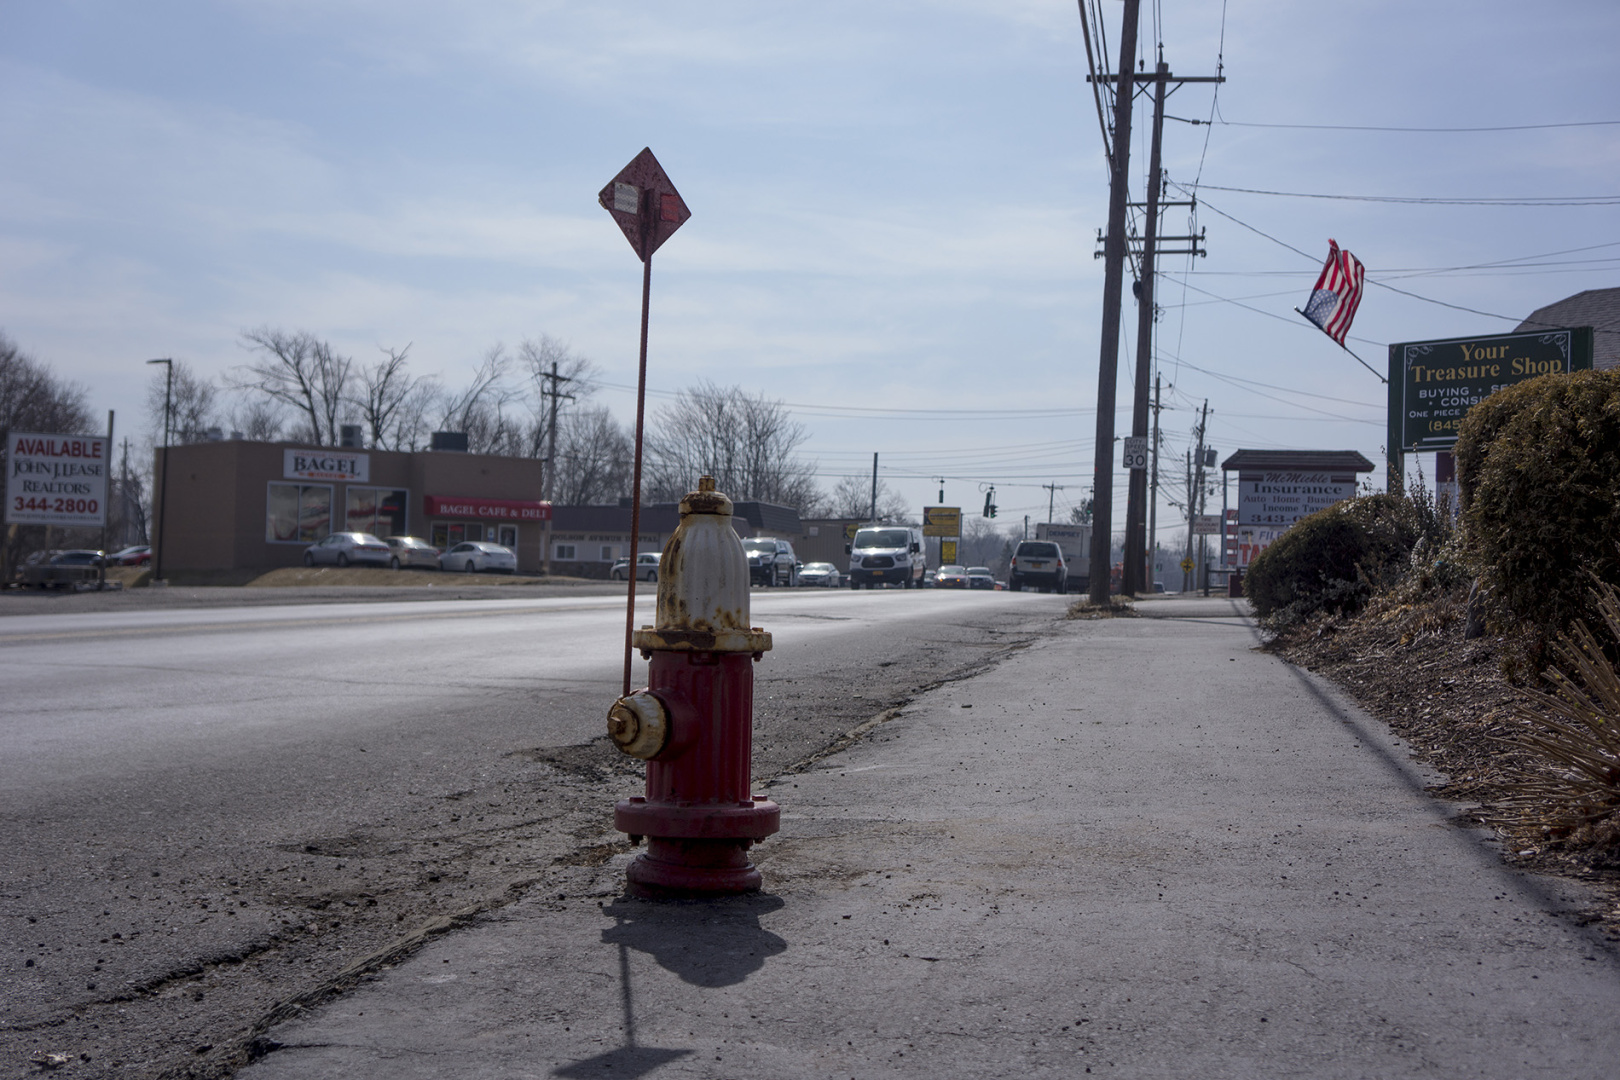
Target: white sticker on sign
626 198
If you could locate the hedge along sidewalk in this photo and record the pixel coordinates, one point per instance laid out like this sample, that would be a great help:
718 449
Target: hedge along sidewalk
1538 465
1062 864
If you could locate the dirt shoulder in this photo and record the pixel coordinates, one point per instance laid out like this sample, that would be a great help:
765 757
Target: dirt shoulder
1410 667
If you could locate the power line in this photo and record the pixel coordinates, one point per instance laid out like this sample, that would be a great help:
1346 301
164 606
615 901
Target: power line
1425 200
1418 130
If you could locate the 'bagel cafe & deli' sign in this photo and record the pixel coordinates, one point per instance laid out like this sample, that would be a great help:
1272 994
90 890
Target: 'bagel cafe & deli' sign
1433 384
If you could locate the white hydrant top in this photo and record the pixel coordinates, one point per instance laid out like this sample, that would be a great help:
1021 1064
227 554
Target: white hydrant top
703 602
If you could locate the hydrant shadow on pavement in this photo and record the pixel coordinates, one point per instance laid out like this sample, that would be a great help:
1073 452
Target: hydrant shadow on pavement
710 943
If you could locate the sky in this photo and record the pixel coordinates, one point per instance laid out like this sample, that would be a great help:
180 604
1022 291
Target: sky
895 206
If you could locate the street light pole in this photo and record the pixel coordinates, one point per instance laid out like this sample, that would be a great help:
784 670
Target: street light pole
163 481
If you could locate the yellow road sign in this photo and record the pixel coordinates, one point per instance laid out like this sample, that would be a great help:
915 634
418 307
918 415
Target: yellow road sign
942 521
1187 566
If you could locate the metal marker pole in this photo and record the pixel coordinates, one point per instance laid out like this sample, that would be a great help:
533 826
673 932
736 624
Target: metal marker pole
635 491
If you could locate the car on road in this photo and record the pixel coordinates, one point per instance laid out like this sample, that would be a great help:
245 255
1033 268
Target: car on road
479 556
951 577
1037 564
137 555
888 554
980 577
771 561
344 548
646 567
823 574
411 551
61 569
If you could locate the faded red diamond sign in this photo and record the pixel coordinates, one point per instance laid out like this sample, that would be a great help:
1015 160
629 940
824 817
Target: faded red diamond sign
645 204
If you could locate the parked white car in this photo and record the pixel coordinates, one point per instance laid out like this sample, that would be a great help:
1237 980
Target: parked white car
479 556
343 548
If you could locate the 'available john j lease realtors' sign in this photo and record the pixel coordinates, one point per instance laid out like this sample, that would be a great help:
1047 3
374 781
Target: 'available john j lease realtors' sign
56 480
1433 384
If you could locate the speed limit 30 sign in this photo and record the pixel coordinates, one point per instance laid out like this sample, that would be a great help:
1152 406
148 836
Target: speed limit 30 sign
1136 452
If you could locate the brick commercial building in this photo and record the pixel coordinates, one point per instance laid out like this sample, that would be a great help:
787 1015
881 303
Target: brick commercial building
237 505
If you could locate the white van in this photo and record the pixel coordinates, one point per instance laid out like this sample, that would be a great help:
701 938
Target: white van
881 554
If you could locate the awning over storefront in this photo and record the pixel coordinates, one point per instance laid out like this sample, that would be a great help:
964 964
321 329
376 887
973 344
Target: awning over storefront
486 509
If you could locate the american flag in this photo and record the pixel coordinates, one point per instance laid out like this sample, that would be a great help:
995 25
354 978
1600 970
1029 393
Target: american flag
1337 294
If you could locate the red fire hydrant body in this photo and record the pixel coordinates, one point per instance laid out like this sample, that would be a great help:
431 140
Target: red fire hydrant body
694 721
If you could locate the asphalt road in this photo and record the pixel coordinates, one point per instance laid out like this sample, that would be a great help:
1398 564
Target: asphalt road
210 812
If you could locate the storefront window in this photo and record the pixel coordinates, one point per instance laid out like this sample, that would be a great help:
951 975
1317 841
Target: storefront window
298 513
508 536
379 511
565 552
447 534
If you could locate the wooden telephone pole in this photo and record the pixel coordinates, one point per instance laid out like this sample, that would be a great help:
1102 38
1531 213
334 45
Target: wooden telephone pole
1135 577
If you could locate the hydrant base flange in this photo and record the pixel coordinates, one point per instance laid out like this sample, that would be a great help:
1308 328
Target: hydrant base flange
700 821
675 868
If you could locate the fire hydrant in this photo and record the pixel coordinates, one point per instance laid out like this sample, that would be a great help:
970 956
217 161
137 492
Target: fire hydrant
694 722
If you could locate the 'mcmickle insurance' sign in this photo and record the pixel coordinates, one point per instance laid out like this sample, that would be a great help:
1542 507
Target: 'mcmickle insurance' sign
56 480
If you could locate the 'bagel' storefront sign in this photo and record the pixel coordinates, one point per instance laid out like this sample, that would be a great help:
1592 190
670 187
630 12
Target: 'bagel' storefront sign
326 465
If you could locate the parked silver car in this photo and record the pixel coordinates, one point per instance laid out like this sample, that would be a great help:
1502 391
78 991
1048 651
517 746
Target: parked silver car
478 556
343 548
646 567
824 574
411 551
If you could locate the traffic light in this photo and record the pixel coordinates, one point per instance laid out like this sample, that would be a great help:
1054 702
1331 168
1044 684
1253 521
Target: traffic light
989 503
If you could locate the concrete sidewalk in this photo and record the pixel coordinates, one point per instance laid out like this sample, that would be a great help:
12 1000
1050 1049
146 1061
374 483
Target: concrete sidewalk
1087 860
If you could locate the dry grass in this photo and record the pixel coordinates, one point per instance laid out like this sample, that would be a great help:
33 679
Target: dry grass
1115 608
1569 783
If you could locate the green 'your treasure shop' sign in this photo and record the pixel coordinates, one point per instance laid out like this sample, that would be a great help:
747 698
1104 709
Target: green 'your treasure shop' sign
1433 384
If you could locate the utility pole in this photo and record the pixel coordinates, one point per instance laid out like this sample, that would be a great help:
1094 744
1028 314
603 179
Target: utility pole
1051 499
548 484
874 487
163 474
1195 501
1153 498
1113 281
1187 578
1135 510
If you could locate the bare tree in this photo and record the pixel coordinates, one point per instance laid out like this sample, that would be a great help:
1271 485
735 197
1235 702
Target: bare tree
303 372
852 498
392 403
558 375
259 419
982 543
192 401
746 443
593 458
33 399
483 409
